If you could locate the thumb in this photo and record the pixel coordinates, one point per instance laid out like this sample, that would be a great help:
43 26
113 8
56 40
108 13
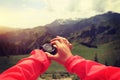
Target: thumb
50 56
70 46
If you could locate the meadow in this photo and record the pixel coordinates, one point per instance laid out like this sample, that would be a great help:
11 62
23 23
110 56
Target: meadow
88 53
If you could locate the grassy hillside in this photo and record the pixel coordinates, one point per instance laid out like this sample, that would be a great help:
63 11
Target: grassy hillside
6 62
106 53
103 52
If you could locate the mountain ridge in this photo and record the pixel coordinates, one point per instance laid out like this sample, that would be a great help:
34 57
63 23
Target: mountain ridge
96 30
4 29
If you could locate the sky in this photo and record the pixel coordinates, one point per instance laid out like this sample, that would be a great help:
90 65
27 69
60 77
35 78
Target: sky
32 13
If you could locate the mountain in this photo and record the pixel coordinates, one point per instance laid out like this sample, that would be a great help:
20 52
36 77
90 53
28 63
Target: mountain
22 41
61 27
4 29
89 32
95 30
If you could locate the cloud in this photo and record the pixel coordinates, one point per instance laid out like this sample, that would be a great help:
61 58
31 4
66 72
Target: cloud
57 5
113 6
31 13
73 5
99 5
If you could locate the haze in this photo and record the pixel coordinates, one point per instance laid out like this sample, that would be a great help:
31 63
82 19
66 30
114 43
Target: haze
32 13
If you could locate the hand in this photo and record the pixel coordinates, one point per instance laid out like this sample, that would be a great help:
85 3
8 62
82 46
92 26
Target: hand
63 49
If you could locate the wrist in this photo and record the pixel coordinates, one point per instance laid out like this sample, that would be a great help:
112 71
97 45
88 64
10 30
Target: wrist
72 61
66 59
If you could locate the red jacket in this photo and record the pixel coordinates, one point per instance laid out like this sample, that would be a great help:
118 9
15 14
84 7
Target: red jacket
90 70
30 68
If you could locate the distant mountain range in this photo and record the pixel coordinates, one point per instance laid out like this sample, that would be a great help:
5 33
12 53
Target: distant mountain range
90 32
4 29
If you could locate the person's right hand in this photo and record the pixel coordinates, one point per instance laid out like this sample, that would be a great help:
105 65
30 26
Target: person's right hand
63 49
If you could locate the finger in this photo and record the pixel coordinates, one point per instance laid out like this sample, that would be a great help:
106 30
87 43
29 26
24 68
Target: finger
50 56
70 46
63 40
54 38
55 46
67 43
56 43
57 38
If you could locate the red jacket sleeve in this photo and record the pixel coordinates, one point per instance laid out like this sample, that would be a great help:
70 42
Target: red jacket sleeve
29 68
90 70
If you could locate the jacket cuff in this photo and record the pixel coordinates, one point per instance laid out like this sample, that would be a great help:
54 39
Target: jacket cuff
72 61
39 58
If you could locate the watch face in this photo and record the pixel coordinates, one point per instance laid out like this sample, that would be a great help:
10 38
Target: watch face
47 47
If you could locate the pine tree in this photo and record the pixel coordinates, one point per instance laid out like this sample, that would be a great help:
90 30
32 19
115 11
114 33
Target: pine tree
96 57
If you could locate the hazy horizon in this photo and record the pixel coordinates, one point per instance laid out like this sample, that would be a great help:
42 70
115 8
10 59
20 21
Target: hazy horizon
32 13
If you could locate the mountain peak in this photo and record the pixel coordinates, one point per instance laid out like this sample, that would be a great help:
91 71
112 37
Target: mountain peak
60 21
